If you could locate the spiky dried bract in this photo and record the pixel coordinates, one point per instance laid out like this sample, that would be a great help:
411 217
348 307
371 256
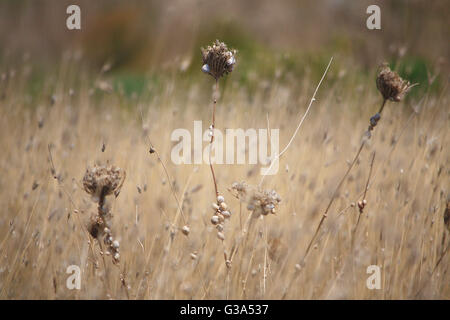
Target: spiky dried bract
391 85
260 202
218 60
103 180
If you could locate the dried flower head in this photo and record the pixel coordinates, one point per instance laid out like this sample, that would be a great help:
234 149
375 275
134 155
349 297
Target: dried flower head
103 180
218 60
391 85
260 202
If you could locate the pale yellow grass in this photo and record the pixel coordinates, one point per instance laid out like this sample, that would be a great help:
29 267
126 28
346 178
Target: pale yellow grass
42 231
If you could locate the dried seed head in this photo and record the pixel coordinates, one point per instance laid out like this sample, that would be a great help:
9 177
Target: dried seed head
218 60
104 180
260 202
391 85
94 229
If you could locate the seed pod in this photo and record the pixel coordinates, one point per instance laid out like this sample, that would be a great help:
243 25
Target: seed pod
221 236
116 244
220 199
223 206
215 206
219 227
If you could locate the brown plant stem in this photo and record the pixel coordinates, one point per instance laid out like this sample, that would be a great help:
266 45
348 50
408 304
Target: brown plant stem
154 150
382 106
212 135
325 214
364 197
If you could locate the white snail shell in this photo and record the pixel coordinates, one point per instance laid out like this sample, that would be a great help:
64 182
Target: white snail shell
205 68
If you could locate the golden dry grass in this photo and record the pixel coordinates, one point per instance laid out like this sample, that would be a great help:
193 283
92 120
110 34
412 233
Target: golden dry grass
42 221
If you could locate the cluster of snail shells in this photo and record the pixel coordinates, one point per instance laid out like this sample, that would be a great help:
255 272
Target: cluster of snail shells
220 215
113 245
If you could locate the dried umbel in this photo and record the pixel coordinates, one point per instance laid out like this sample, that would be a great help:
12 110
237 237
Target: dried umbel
391 85
100 181
218 60
260 202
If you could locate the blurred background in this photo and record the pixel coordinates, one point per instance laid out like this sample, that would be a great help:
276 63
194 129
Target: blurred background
139 41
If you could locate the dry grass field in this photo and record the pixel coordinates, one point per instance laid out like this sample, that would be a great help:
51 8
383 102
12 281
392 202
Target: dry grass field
45 210
112 94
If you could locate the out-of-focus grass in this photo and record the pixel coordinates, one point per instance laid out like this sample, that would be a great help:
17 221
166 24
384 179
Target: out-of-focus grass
42 223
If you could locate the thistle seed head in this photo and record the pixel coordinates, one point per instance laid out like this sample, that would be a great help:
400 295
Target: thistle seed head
391 85
218 60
